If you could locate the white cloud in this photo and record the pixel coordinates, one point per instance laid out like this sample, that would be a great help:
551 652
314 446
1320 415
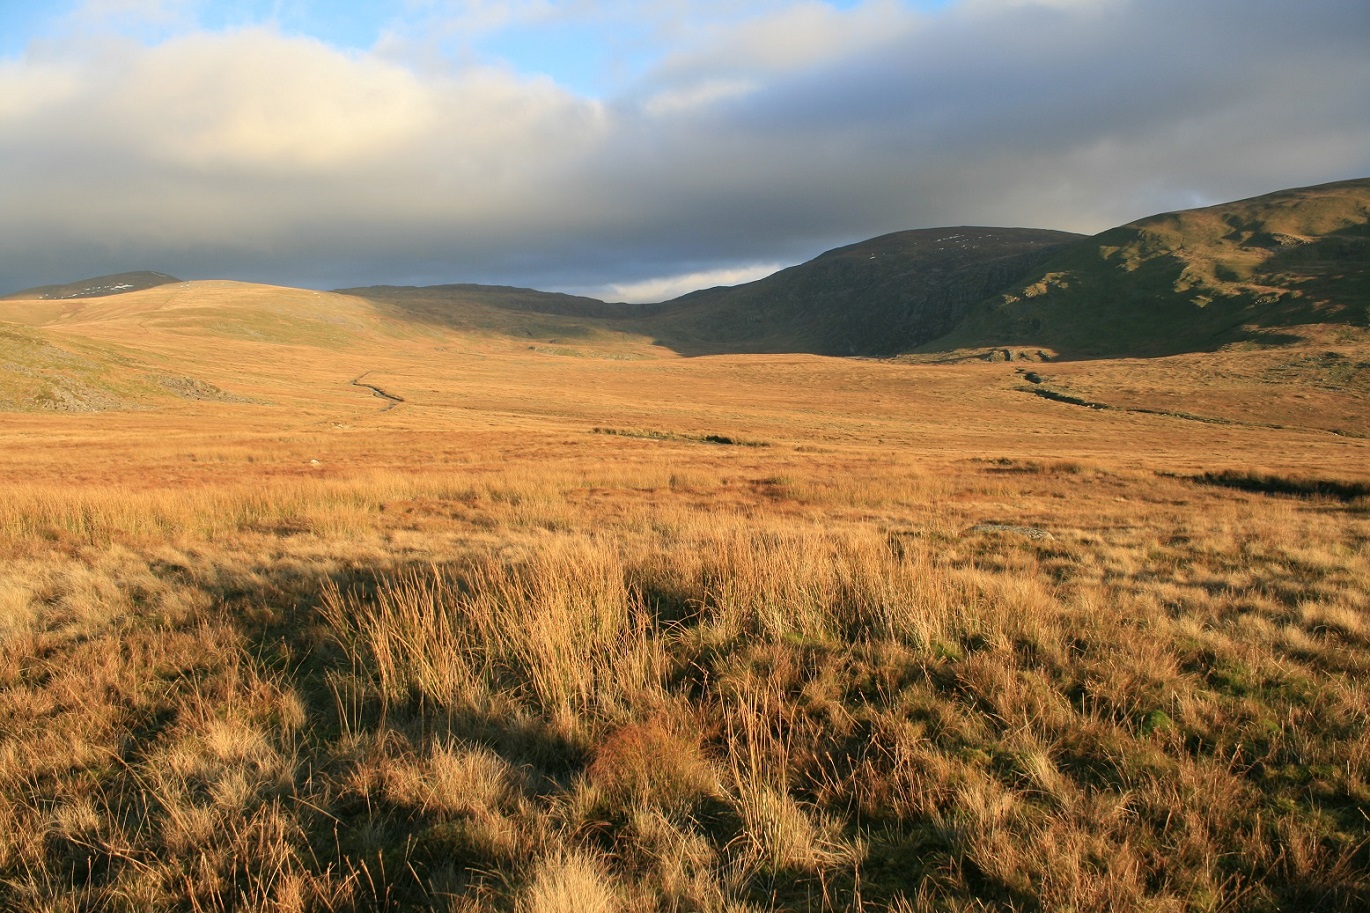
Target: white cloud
254 100
667 287
774 41
701 95
217 138
797 36
425 24
27 89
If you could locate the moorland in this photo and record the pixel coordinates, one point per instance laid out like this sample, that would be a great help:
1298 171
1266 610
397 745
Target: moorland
955 570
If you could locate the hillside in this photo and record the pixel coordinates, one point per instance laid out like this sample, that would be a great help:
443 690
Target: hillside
1281 268
526 315
215 341
877 297
442 304
98 286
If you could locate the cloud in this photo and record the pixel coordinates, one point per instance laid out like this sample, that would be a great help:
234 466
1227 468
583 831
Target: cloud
667 287
29 89
781 40
431 23
703 94
732 59
300 108
216 139
757 138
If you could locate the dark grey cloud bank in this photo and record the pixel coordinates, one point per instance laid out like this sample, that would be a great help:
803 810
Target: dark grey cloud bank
257 156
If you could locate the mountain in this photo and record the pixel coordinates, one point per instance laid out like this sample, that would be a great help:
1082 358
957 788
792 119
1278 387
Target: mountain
98 287
1281 268
877 297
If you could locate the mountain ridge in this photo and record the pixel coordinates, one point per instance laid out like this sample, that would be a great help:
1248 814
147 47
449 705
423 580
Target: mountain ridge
876 297
1292 266
95 287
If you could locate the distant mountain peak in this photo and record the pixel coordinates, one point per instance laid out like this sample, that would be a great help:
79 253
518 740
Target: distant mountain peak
98 286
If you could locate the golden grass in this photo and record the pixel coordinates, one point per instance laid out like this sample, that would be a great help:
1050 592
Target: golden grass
481 657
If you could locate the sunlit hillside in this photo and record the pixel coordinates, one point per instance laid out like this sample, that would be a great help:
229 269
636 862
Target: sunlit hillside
1277 269
232 340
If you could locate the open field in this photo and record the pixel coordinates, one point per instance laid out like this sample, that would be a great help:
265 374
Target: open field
568 622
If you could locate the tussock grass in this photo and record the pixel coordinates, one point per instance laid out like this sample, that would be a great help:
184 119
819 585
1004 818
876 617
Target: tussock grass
556 633
539 669
697 711
569 883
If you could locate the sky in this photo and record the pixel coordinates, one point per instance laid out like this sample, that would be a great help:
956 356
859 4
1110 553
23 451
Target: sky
637 150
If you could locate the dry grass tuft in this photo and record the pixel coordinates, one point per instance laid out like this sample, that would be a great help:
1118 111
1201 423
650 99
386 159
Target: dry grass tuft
568 882
652 764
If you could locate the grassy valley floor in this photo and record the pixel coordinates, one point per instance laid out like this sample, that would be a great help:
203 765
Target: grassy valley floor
561 631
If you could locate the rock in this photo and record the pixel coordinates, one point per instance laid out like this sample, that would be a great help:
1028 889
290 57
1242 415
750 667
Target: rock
1030 532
